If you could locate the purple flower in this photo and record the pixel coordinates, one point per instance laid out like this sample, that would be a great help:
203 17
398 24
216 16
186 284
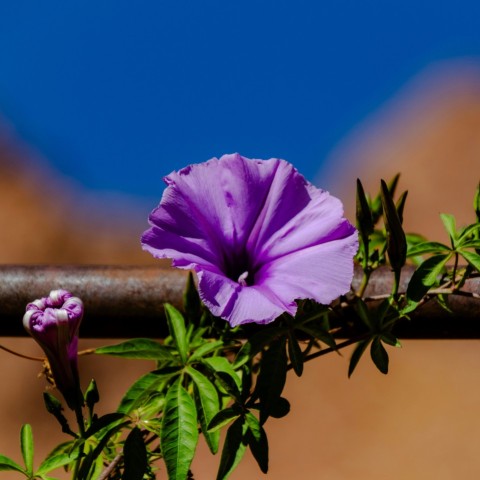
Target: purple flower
258 235
53 322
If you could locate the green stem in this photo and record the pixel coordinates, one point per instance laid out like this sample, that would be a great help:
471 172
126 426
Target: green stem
454 272
320 353
81 427
364 282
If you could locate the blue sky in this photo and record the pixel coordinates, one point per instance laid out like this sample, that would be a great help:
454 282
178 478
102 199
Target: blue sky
118 93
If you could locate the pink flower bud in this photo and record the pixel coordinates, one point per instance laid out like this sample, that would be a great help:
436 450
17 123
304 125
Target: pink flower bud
54 322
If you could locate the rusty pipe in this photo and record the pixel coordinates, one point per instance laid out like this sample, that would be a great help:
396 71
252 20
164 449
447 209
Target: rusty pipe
127 301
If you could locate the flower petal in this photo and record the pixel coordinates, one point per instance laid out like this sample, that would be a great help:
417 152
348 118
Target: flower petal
321 272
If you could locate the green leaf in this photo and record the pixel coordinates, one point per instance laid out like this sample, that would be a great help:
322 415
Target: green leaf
272 377
60 456
208 405
176 325
379 355
472 258
356 355
139 348
146 388
280 408
91 396
224 417
364 314
317 331
53 406
425 276
221 364
26 445
227 382
396 240
257 440
102 422
467 232
295 355
233 448
427 248
205 349
390 339
450 225
134 456
179 435
7 464
255 345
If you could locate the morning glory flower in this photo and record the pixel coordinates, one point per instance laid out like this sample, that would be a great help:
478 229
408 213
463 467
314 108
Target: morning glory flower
258 235
54 322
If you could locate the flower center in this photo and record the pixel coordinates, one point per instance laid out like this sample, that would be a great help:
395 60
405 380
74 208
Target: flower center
239 269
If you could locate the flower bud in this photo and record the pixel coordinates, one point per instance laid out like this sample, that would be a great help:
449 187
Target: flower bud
54 322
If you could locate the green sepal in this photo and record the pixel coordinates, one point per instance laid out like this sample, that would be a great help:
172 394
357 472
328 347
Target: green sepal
176 326
26 446
138 348
134 456
396 240
400 205
179 435
376 204
91 396
363 215
54 406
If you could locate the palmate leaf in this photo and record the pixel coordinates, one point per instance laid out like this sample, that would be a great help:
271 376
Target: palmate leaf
145 388
425 276
179 435
139 348
208 405
26 446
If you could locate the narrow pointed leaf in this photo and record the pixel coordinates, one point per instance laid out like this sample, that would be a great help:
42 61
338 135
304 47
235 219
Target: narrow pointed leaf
472 258
208 405
139 348
134 456
450 225
364 215
426 248
176 325
356 355
224 417
228 383
60 456
255 345
272 376
295 355
26 445
7 464
476 202
400 206
179 435
257 441
233 449
379 355
205 349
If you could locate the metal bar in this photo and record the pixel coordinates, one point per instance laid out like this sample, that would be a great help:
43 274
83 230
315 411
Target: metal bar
127 301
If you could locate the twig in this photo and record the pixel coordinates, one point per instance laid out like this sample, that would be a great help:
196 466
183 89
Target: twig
109 469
